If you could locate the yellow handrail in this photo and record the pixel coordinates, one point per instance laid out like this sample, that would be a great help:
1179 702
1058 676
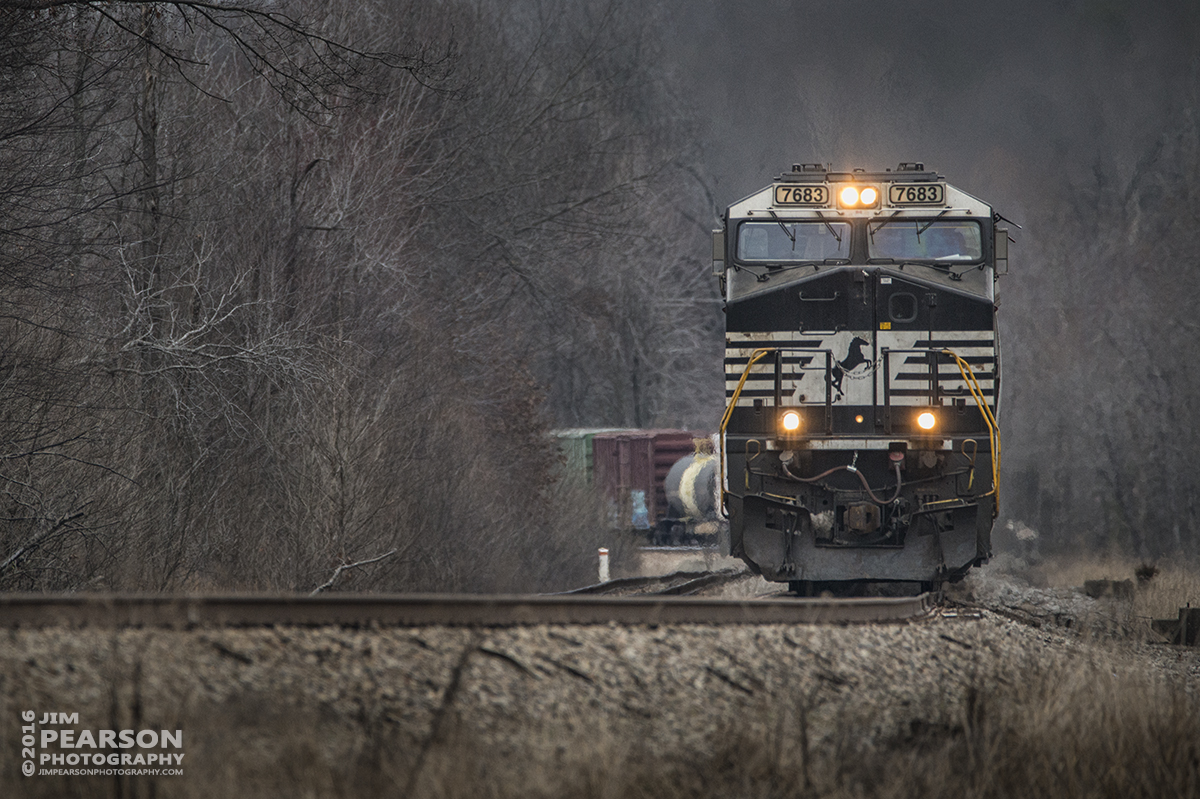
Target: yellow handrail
968 376
964 369
755 357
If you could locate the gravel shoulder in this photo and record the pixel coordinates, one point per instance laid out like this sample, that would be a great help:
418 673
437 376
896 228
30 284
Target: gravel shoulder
297 709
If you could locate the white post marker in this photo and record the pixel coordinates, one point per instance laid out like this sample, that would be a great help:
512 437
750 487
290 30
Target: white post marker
603 565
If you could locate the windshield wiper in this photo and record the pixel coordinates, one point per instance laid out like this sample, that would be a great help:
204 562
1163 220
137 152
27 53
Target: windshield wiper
931 221
956 274
761 277
787 232
772 269
941 266
882 224
832 232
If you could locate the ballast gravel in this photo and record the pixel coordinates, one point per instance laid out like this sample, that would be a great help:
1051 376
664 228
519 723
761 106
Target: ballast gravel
251 700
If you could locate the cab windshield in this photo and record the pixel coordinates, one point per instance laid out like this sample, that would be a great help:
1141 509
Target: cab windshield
945 240
787 241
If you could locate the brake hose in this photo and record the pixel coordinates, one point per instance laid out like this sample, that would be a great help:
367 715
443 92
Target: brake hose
853 470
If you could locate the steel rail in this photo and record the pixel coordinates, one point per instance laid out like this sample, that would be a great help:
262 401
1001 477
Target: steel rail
658 584
454 610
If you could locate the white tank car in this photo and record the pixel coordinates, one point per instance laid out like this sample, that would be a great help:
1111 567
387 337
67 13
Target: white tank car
693 500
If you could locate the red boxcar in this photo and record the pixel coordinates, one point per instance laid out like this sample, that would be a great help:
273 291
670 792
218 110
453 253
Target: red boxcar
630 466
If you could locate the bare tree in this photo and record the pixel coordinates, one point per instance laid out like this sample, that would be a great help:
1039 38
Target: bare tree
315 307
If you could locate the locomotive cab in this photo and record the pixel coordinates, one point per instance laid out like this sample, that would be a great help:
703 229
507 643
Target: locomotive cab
860 441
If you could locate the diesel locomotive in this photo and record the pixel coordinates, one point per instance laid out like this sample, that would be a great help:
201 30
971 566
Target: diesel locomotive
860 441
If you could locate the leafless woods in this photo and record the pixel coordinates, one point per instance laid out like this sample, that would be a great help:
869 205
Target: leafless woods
284 293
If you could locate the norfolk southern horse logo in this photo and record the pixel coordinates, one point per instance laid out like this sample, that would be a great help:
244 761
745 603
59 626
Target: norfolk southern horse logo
854 359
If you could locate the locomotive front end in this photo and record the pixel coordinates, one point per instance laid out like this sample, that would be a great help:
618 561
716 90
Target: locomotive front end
860 440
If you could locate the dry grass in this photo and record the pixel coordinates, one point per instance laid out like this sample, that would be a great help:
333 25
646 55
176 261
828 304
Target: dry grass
1175 584
1101 725
1093 729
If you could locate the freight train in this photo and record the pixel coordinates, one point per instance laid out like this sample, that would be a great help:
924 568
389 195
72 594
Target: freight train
860 441
659 485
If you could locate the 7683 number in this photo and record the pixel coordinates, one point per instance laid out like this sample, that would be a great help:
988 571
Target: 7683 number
919 194
801 195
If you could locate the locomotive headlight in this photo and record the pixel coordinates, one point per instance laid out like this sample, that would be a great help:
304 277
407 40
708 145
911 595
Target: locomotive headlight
790 422
858 197
926 420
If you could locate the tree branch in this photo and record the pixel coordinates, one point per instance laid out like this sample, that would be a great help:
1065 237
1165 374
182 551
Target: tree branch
39 538
346 566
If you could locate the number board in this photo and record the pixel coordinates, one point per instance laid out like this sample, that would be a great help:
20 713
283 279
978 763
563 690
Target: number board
802 195
917 194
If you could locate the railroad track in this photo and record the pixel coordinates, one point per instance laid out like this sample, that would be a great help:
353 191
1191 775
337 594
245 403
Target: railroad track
416 610
674 584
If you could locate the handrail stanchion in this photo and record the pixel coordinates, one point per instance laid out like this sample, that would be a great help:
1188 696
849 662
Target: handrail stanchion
755 357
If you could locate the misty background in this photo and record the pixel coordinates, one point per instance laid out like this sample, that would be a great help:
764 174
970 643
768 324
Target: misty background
283 294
